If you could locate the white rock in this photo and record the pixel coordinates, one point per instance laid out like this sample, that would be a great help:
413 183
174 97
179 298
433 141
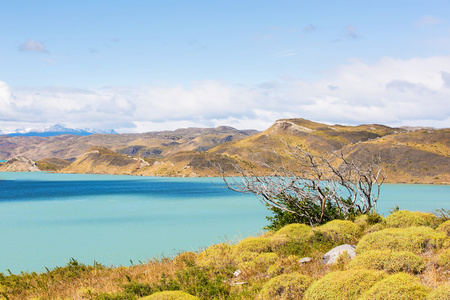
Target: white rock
331 256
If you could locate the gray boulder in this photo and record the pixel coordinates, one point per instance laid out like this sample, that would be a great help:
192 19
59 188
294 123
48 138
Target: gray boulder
331 256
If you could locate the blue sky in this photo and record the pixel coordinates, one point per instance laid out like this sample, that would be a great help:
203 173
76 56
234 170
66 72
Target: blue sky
138 66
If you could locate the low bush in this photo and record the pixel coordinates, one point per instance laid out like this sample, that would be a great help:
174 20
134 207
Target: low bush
285 287
291 239
170 295
259 265
253 244
400 286
443 260
442 292
414 239
339 231
444 228
345 285
406 218
219 256
390 261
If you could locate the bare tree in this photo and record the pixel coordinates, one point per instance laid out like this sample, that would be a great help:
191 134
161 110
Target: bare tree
315 188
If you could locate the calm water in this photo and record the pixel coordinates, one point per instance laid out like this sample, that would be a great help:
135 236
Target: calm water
45 219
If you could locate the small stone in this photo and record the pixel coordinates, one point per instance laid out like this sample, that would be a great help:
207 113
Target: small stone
305 260
237 273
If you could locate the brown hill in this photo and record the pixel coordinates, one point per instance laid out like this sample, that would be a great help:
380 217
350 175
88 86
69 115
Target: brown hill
152 144
100 160
420 156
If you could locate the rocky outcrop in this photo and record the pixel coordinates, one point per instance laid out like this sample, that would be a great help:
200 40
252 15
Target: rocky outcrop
19 164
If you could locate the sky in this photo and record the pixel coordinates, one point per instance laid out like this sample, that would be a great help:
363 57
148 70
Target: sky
138 66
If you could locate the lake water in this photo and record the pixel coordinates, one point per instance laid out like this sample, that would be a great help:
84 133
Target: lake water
45 219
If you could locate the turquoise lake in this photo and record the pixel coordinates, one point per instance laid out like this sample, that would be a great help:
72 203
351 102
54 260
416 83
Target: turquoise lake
46 219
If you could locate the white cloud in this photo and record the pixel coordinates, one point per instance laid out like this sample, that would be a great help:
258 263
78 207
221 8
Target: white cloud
392 92
428 21
32 46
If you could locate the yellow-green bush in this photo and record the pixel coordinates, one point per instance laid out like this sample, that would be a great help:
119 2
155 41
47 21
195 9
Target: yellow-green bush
400 286
374 227
295 231
414 239
367 220
170 295
406 218
444 227
285 287
338 231
442 292
254 244
286 264
345 285
259 264
219 255
291 239
443 259
390 261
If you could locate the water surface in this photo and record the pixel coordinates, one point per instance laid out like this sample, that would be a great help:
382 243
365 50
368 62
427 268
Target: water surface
45 219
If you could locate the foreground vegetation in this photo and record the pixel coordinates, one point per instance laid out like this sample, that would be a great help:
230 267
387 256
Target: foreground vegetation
403 256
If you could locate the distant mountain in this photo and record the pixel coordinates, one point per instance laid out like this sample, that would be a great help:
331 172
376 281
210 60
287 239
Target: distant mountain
57 129
157 144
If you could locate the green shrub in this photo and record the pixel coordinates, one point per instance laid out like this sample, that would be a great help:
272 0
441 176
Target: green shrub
390 261
286 264
290 239
414 239
295 231
406 218
442 292
254 244
443 260
170 295
374 228
400 286
205 283
339 231
369 219
345 285
444 228
219 255
285 287
258 265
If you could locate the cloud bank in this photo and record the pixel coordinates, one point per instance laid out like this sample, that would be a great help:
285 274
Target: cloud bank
392 91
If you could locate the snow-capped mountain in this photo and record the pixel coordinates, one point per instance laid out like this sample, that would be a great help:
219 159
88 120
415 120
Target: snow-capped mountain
57 129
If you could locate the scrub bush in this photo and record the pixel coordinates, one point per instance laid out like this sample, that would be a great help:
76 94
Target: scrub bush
258 265
406 218
414 239
285 287
444 228
253 244
443 259
339 231
284 265
442 292
291 239
345 285
390 261
297 232
170 295
400 286
219 256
